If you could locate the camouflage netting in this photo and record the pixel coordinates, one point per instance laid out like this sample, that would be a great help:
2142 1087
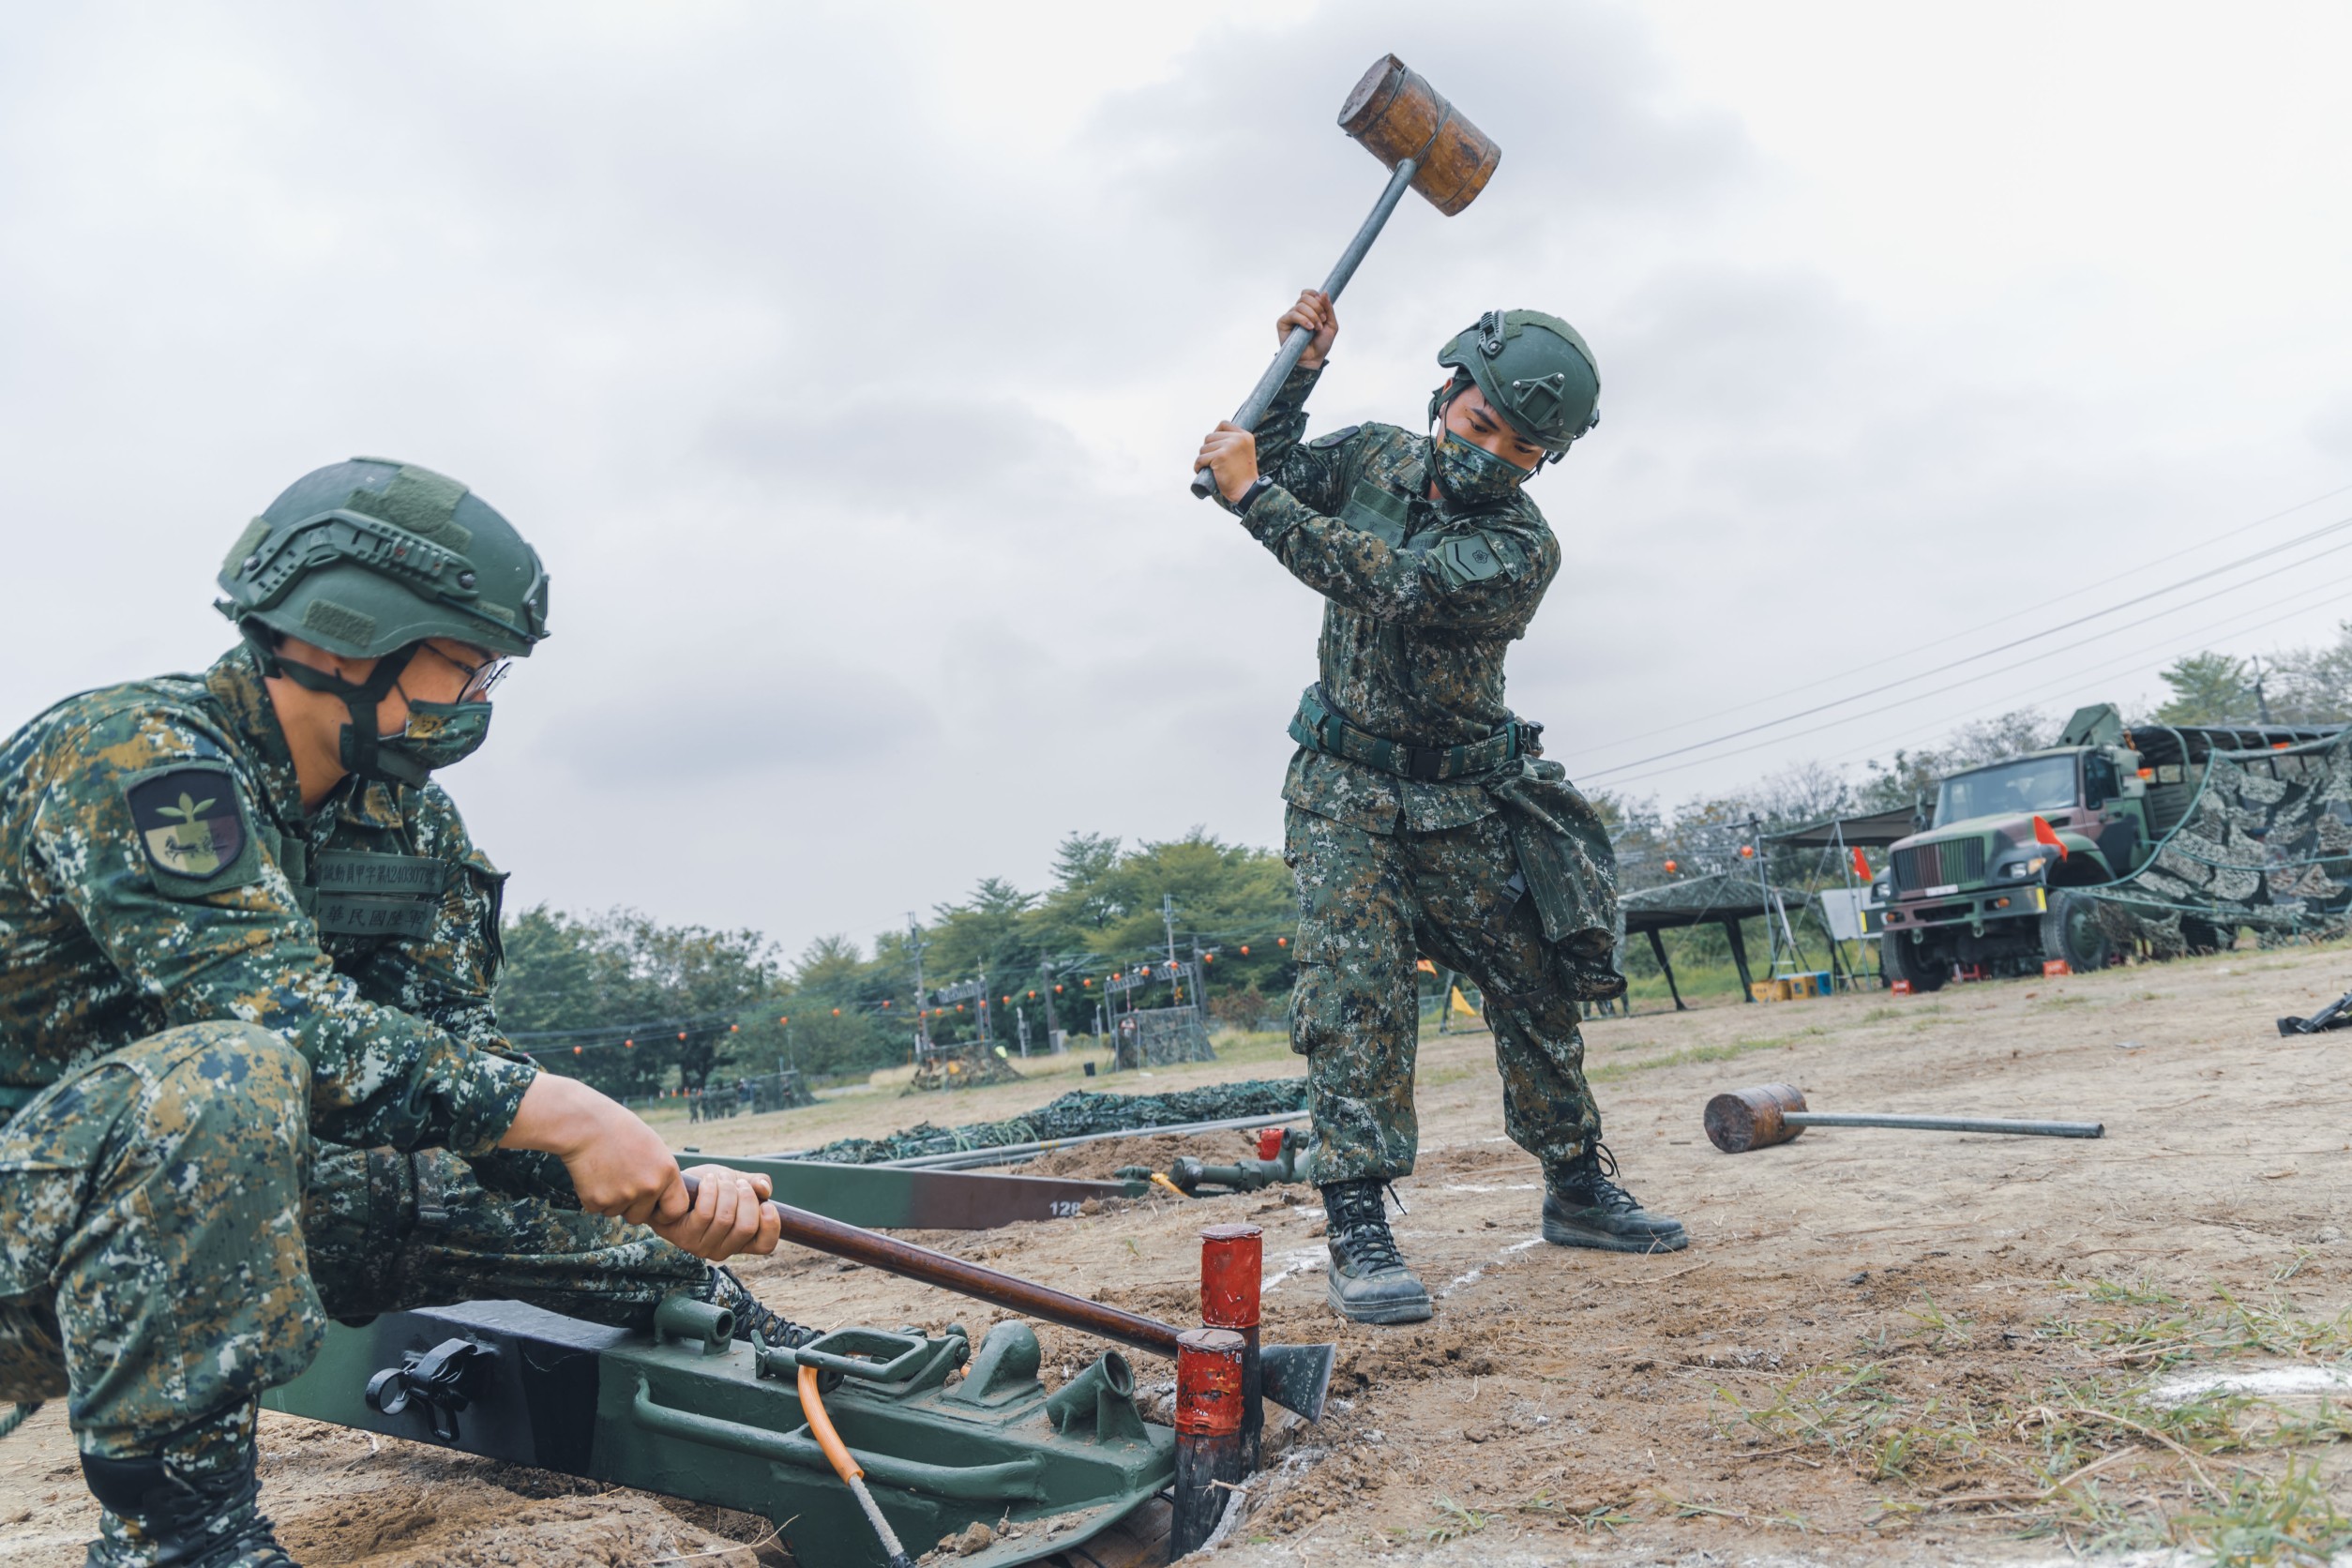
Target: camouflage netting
2267 843
1080 1112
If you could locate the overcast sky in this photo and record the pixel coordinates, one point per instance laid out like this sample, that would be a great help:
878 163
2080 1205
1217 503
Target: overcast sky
845 365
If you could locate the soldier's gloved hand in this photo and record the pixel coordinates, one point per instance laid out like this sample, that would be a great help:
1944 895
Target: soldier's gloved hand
1314 311
1229 453
729 1214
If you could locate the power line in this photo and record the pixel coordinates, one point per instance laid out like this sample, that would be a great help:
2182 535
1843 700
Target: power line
1603 746
2018 643
2315 595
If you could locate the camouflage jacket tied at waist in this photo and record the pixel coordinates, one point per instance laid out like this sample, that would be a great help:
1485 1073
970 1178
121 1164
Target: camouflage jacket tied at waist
156 868
1566 862
1422 601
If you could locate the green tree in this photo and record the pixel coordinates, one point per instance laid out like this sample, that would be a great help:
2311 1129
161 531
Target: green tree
621 976
2206 688
2314 685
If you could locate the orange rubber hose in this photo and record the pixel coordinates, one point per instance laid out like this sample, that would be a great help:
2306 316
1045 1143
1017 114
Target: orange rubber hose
844 1464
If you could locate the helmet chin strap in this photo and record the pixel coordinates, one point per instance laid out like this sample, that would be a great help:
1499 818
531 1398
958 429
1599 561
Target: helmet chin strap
359 748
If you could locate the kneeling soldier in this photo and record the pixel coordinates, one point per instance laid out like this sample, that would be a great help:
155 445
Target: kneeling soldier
250 1073
1420 820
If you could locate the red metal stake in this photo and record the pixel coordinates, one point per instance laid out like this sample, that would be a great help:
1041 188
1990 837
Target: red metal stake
1208 1433
1233 1267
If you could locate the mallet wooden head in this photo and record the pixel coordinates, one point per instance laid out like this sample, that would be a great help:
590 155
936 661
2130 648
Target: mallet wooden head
1749 1119
1396 114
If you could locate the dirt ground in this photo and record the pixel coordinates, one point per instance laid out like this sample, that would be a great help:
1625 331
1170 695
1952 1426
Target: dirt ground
1882 1347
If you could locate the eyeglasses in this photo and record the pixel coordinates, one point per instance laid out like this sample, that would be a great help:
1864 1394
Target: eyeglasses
480 679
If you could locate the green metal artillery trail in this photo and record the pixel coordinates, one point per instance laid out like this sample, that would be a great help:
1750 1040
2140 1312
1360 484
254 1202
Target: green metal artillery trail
946 1434
689 1412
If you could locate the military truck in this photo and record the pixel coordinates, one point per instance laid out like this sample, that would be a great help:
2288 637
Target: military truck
1981 890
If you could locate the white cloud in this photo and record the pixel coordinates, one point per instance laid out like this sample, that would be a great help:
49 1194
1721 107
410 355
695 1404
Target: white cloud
846 365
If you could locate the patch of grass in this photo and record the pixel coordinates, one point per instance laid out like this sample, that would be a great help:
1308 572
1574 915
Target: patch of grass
1688 1055
2146 1326
1945 1329
2264 1519
1453 1522
1881 1015
1438 1077
2050 1003
1605 1516
2095 1460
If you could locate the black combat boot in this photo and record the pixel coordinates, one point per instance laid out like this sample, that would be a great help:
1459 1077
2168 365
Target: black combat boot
1583 1207
726 1289
158 1515
1368 1280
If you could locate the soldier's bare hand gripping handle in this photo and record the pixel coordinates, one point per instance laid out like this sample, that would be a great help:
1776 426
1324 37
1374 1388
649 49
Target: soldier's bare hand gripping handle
1230 452
1315 312
619 1166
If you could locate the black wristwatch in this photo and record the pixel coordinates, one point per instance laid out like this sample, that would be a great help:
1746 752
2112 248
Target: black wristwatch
1258 487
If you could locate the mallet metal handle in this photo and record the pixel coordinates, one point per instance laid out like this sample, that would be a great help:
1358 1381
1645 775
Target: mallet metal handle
891 1255
1947 1124
1285 359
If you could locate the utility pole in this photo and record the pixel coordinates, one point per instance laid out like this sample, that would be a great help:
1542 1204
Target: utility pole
986 1037
1764 896
2262 703
922 1027
1167 916
1053 1017
1020 1018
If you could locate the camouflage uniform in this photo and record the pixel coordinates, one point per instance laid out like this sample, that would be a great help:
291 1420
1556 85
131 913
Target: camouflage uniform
201 982
1422 602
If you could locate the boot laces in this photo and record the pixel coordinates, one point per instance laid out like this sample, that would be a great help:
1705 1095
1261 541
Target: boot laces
1594 1182
1363 1230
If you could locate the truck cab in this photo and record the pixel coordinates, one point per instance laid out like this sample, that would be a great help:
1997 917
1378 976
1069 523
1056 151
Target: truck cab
1990 883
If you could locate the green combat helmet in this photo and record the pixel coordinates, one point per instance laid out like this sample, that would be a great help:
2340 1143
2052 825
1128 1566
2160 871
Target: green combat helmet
368 559
1536 370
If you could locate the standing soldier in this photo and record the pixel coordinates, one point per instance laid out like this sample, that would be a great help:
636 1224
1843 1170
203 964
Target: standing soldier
1420 820
250 1078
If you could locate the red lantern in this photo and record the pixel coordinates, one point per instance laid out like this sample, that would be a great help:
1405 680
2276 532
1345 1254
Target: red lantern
1671 867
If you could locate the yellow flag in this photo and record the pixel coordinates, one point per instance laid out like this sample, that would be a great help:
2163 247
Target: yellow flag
1461 1006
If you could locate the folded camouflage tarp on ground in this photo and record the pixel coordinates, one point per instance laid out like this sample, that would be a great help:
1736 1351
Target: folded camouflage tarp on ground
1080 1112
2267 843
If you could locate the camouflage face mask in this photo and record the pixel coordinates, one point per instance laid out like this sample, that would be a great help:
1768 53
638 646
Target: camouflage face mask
1473 477
437 735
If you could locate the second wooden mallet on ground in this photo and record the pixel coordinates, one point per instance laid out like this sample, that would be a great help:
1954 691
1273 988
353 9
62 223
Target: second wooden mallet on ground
1772 1113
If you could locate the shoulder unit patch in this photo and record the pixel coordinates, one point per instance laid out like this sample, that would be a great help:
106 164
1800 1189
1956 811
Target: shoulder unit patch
190 822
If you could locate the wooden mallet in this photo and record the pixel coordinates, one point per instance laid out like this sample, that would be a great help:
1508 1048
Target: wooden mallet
1399 119
1773 1113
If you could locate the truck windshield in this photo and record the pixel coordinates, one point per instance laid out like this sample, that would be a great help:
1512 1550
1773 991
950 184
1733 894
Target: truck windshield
2012 789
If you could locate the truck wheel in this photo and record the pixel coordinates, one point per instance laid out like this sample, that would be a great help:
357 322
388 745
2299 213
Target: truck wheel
1900 960
2070 930
2203 937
